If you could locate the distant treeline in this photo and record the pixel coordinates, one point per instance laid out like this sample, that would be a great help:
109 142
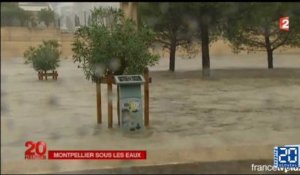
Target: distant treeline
13 15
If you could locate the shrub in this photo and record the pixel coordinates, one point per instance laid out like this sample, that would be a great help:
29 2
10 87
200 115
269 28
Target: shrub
112 43
45 57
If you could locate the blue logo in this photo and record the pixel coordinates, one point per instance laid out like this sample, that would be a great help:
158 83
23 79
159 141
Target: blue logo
287 156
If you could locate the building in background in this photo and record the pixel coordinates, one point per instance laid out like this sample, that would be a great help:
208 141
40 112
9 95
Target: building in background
33 8
68 11
69 15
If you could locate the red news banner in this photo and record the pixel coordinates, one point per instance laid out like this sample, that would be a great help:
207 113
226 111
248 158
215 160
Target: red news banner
37 150
93 155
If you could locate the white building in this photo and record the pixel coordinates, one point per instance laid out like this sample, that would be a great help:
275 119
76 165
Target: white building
67 12
34 6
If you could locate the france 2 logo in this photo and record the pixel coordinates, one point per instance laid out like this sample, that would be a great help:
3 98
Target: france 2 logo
284 23
35 150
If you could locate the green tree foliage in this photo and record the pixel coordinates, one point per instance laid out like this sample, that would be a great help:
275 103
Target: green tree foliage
13 15
45 57
112 43
47 16
167 20
255 27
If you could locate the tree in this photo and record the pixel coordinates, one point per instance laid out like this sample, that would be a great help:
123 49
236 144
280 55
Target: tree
13 15
47 16
254 27
45 57
112 43
209 18
166 19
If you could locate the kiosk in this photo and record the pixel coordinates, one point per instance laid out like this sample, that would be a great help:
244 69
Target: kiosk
131 103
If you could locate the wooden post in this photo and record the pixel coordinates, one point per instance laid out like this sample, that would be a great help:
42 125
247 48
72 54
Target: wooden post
146 96
99 111
118 105
109 99
56 75
40 75
46 75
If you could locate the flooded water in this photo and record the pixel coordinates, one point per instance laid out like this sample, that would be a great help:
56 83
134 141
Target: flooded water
241 112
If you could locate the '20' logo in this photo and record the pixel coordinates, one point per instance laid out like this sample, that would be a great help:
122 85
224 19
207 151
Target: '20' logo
35 150
291 154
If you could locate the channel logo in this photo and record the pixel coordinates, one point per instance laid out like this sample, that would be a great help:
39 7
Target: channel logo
287 156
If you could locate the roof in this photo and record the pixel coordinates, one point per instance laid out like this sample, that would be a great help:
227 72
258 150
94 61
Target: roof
34 6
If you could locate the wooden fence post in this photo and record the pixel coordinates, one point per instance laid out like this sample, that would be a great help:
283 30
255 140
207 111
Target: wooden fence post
146 96
40 75
99 110
46 78
118 105
109 99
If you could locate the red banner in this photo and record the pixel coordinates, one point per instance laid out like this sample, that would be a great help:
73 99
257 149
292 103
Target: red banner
96 155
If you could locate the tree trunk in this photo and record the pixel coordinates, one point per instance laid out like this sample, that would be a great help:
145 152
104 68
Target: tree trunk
130 10
270 58
269 52
205 49
172 56
98 97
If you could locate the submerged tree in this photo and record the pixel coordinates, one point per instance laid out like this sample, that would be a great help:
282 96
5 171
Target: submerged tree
169 22
209 17
254 27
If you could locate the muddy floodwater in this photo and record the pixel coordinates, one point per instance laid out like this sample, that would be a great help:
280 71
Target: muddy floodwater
240 113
